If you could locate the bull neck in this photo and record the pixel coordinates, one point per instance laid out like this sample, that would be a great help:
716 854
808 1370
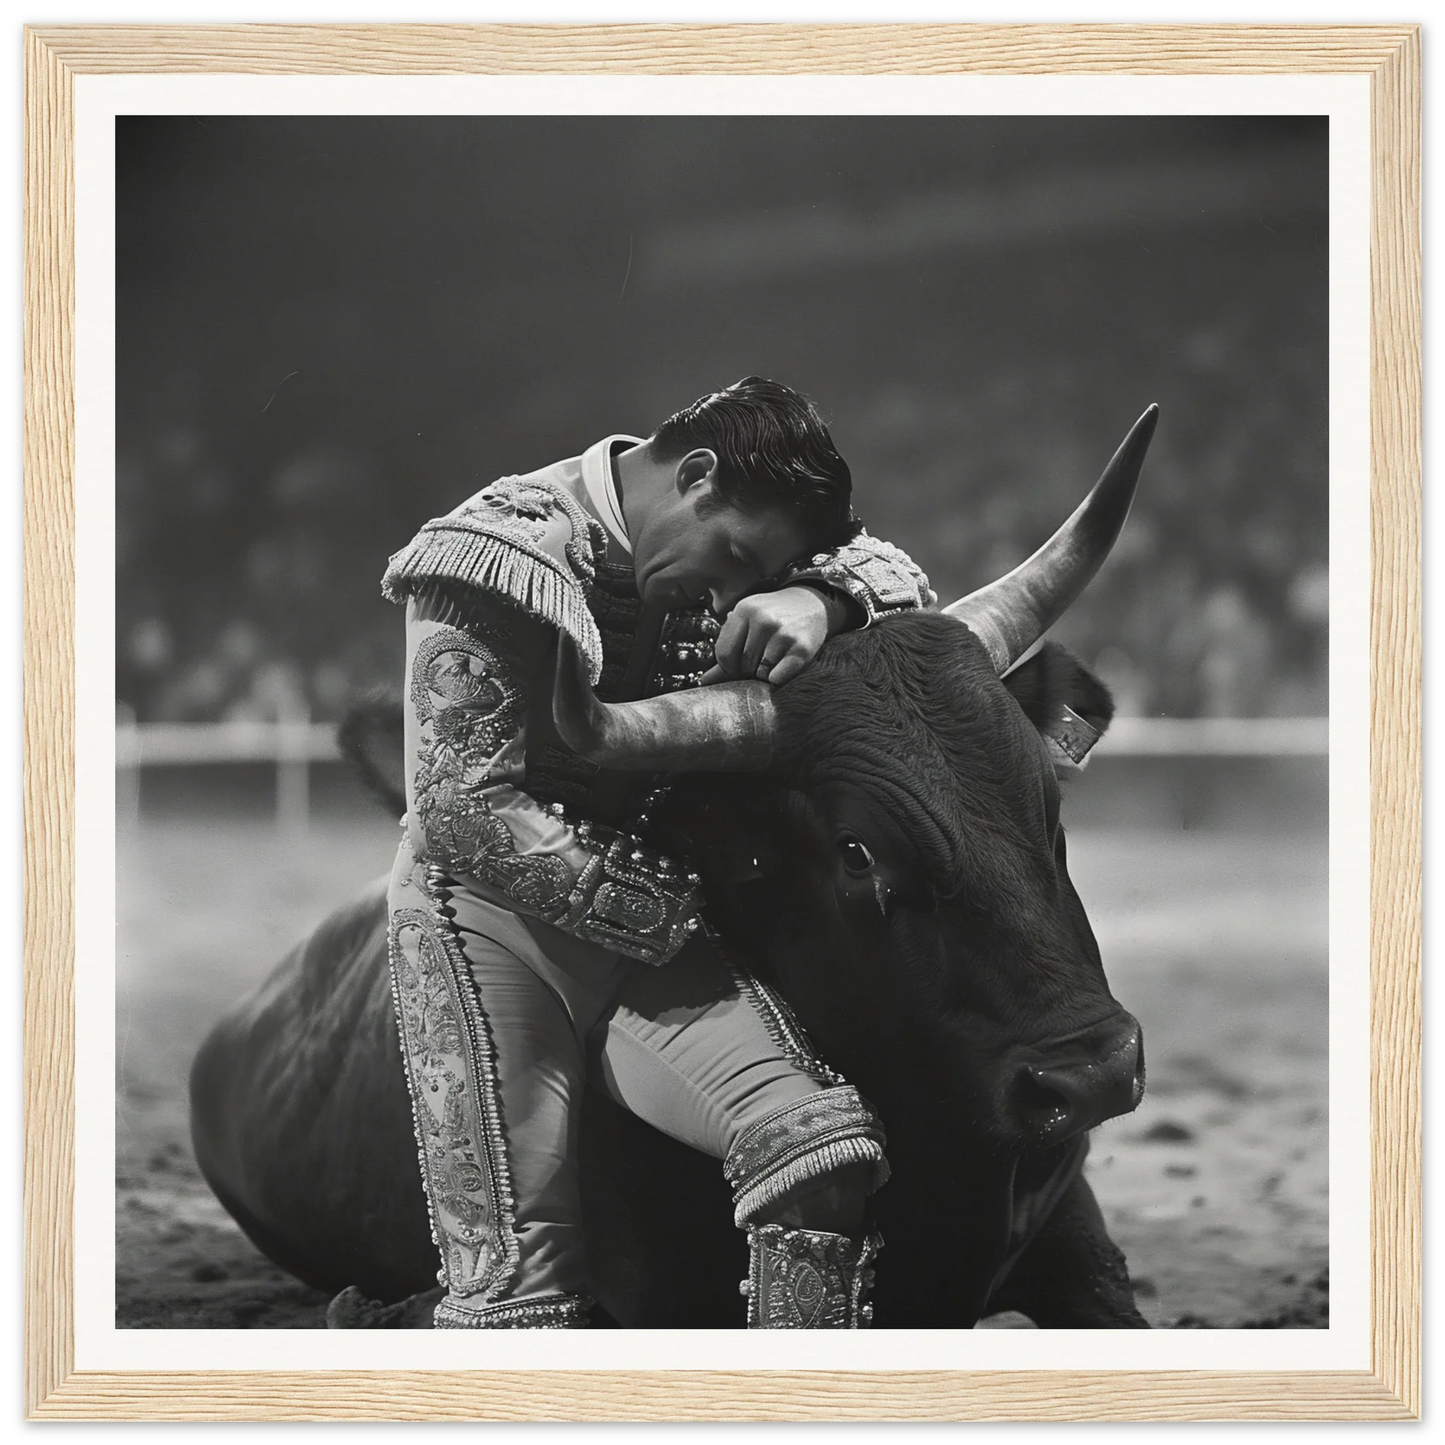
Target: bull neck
601 484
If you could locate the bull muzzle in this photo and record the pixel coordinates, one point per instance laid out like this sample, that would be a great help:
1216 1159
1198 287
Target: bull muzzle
1079 1084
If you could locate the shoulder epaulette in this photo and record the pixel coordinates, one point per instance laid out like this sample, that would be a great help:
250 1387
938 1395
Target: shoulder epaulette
526 540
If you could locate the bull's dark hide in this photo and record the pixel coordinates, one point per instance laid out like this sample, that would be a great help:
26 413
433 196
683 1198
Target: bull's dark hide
952 980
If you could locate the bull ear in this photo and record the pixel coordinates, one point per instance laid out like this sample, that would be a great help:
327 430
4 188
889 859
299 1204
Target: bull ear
1066 702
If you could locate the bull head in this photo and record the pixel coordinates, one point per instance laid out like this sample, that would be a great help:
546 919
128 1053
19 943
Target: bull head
731 727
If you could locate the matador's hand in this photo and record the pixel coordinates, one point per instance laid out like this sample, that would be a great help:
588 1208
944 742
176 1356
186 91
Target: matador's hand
775 635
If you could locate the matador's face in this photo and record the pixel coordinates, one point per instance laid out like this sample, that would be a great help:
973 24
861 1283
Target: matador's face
698 551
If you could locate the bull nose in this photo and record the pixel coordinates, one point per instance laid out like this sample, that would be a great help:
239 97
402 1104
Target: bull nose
1099 1076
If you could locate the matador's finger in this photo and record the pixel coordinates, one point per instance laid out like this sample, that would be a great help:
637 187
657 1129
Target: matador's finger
779 646
728 649
760 637
786 667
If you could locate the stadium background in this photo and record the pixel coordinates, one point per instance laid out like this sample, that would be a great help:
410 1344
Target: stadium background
332 329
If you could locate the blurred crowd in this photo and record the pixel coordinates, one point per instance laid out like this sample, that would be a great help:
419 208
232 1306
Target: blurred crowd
298 389
1210 610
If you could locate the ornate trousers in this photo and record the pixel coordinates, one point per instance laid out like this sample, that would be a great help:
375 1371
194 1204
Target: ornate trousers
502 1018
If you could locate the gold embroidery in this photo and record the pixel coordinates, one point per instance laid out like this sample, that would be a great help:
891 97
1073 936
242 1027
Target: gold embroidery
470 709
803 1279
456 1101
502 542
878 576
537 1312
801 1141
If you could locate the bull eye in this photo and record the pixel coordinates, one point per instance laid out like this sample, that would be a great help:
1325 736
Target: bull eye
856 857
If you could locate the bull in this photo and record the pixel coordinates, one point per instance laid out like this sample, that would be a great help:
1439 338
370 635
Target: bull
893 866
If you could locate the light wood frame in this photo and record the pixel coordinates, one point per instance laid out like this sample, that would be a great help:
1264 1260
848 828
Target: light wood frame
1390 56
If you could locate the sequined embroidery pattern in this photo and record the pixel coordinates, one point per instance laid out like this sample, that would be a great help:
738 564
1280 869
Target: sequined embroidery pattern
504 541
526 503
539 1312
686 650
799 1142
616 608
456 1100
802 1279
630 897
469 709
878 576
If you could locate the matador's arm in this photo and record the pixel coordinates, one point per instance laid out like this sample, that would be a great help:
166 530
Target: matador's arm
874 577
864 579
475 668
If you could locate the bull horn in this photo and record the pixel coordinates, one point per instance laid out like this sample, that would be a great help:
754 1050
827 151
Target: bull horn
726 728
1010 615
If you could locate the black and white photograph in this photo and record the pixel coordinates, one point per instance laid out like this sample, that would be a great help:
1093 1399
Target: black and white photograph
722 721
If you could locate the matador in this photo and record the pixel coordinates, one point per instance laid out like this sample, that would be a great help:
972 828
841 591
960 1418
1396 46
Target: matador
536 943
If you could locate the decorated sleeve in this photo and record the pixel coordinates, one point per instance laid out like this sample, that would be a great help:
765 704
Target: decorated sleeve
474 668
879 577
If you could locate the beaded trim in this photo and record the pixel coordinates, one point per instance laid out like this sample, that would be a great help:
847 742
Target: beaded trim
878 576
781 1023
541 1312
805 1279
799 1142
628 897
686 649
451 1067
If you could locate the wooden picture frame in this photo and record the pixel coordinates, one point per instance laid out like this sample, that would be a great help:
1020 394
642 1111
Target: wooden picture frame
1390 1387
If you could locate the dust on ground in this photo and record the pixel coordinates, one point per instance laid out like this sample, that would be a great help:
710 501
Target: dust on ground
1216 1188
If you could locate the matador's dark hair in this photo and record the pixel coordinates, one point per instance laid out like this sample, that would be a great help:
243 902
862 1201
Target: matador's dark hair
773 450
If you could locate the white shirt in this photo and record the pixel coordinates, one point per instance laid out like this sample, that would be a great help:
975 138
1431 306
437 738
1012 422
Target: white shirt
601 485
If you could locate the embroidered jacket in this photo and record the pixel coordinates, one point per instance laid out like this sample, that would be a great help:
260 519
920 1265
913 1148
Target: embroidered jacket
490 798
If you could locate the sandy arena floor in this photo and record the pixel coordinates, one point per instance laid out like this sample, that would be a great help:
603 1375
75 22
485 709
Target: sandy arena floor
1216 1188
